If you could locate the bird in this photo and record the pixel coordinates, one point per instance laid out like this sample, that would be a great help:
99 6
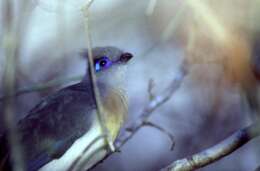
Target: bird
55 132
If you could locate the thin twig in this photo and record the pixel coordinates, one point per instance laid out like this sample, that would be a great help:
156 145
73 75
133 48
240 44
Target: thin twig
100 111
151 86
11 44
224 148
9 86
77 160
135 126
57 81
148 110
43 86
156 126
174 23
150 8
93 81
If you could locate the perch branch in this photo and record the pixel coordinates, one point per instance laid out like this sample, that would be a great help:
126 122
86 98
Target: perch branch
217 152
153 104
142 120
77 160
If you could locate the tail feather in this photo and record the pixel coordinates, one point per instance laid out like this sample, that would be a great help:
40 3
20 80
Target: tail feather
4 154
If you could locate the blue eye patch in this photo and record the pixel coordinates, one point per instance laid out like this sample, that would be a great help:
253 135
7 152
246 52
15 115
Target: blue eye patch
102 63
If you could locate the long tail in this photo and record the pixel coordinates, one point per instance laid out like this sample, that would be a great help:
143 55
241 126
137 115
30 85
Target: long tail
4 154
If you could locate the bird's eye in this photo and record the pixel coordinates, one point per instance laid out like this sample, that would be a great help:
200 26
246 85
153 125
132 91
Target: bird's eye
102 63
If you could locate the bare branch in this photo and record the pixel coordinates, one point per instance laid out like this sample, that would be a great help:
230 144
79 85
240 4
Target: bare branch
58 81
150 8
75 162
100 111
157 101
92 75
224 148
142 120
153 125
14 33
151 86
172 26
8 107
43 86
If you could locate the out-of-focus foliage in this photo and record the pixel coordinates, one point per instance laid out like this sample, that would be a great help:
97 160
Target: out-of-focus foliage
214 38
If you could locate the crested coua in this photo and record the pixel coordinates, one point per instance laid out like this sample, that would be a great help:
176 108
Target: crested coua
55 132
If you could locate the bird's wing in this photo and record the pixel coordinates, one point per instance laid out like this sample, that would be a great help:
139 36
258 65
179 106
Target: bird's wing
54 124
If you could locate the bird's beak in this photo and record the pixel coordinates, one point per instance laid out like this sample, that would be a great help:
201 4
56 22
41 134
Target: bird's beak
125 57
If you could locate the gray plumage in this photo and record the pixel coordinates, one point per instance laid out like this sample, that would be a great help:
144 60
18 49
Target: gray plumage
53 125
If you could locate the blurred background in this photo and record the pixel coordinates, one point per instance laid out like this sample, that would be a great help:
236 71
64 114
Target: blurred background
217 41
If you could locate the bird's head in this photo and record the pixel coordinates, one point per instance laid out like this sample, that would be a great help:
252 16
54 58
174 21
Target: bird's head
110 65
